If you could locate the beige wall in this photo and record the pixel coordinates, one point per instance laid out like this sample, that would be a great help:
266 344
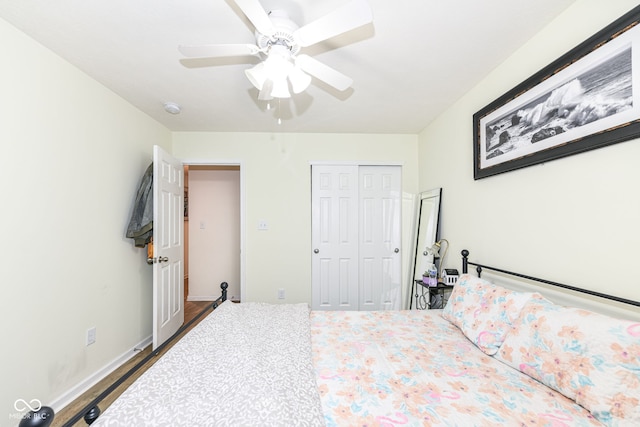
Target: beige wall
573 220
277 188
72 156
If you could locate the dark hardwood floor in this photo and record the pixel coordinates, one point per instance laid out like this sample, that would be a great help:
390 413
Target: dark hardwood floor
191 310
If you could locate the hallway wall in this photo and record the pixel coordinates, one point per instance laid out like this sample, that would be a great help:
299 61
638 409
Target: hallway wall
214 231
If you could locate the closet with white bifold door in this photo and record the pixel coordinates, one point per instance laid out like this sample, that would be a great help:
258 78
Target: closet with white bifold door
356 237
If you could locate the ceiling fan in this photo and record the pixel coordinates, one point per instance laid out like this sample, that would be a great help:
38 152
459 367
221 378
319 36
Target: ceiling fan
279 41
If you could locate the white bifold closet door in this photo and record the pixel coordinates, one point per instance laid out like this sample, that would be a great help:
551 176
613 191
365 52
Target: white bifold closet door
356 229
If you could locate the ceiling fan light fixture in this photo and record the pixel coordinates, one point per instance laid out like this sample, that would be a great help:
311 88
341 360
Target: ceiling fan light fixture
278 41
265 92
280 89
257 75
278 64
299 80
276 70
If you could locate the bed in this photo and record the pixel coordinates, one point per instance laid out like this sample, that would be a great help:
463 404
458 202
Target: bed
491 356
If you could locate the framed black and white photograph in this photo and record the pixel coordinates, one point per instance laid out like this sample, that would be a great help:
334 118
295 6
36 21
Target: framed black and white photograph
588 98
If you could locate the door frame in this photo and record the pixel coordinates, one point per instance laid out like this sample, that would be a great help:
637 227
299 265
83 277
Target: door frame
240 164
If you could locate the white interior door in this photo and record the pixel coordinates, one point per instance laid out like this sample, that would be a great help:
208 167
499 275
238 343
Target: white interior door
380 227
334 238
356 236
168 243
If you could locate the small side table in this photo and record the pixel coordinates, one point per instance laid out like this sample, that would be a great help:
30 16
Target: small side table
424 294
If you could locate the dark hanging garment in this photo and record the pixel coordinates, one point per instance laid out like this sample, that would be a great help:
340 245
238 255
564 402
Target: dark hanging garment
141 224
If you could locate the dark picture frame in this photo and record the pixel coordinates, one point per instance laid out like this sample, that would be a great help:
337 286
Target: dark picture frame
586 99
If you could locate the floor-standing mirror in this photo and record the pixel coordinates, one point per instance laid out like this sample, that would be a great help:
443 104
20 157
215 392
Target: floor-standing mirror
427 232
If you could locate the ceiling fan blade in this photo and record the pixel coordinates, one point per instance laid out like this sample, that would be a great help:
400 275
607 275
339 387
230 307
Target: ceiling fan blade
257 15
218 50
352 15
323 72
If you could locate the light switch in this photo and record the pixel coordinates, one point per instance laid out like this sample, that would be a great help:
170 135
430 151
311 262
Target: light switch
202 225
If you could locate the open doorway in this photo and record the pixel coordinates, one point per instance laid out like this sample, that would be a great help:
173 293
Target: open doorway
212 231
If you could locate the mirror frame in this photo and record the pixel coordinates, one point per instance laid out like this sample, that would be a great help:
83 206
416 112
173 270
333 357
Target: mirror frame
419 227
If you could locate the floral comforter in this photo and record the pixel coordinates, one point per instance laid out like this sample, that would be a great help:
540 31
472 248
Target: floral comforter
413 368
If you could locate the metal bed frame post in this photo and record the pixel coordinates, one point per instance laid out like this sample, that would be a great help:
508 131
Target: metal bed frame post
465 263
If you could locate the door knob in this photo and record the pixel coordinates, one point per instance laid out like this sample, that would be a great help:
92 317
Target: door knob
396 250
163 259
315 251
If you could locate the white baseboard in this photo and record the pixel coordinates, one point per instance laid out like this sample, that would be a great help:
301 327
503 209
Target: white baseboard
75 392
202 298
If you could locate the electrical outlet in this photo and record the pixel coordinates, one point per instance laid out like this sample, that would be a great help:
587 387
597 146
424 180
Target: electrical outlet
91 336
280 293
263 225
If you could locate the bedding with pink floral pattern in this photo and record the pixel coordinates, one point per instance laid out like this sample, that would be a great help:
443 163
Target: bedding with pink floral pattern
589 357
413 368
483 311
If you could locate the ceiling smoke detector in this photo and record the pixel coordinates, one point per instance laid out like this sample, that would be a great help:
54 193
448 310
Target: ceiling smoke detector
172 108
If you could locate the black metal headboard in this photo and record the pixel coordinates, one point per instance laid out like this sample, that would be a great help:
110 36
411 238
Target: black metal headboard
480 267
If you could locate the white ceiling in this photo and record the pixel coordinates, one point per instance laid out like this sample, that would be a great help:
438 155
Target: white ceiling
416 59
